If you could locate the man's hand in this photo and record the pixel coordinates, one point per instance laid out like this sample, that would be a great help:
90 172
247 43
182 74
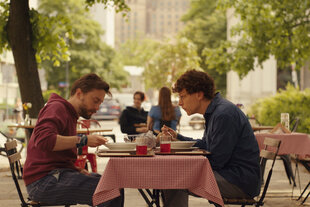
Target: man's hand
96 140
141 129
168 130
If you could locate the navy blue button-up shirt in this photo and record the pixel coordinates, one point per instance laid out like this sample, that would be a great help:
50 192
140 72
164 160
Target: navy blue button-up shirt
234 150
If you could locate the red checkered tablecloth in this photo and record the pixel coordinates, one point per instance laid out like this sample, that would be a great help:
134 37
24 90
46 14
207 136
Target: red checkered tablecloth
159 172
294 143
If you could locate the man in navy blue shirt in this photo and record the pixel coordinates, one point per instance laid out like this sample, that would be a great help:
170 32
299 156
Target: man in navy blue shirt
228 136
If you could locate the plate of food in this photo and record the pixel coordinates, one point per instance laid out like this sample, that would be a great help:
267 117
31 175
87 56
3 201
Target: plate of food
182 144
118 146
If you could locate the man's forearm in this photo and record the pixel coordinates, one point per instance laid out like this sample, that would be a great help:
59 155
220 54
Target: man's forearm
65 142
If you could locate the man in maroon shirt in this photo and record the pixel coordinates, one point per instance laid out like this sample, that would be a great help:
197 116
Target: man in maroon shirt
49 171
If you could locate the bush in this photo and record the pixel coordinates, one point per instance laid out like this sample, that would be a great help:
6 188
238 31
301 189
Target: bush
293 101
47 94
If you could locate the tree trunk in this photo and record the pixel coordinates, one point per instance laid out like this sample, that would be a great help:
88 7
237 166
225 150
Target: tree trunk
20 40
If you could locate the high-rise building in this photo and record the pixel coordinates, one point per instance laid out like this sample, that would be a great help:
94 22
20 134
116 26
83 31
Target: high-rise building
156 19
105 17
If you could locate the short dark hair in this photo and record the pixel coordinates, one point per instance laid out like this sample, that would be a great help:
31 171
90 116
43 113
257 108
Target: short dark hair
195 81
141 94
90 82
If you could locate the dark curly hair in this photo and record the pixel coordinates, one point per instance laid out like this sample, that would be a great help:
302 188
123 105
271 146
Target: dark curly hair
194 81
89 82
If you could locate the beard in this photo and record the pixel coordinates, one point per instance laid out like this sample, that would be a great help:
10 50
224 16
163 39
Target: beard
85 113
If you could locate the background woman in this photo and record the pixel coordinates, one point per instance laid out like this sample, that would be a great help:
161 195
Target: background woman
164 113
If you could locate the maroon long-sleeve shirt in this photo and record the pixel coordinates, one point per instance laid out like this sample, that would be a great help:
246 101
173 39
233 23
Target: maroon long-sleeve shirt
57 117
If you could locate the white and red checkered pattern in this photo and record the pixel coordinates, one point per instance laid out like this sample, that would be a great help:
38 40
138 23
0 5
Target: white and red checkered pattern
293 143
159 172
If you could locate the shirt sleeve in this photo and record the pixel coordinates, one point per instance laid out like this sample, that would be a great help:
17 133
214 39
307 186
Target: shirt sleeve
152 112
52 122
221 140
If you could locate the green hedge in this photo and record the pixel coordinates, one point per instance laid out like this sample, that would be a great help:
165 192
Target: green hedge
293 101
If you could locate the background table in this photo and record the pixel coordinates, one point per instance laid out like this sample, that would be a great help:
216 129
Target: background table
260 128
293 143
159 172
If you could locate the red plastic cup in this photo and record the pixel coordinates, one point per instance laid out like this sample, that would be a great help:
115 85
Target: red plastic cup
165 147
141 149
141 146
165 143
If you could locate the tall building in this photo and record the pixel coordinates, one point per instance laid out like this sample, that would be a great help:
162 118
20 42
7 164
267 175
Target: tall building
258 83
156 19
105 17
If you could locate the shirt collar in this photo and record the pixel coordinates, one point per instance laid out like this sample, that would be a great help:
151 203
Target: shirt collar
213 104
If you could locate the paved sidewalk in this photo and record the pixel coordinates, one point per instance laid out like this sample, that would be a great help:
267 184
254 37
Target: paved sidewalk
279 193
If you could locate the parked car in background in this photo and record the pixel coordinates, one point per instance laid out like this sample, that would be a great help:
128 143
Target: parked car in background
109 109
196 121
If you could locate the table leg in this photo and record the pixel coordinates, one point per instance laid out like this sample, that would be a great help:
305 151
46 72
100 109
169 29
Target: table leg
154 197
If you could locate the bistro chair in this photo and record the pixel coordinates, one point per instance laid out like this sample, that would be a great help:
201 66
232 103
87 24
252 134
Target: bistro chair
14 160
18 168
287 158
306 163
302 202
84 157
268 153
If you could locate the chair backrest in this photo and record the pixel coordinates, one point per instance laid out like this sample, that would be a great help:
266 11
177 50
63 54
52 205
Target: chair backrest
14 161
87 124
296 122
269 152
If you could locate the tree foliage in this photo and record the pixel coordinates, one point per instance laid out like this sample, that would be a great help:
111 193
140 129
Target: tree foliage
31 35
170 60
292 101
206 28
278 28
137 51
87 51
163 61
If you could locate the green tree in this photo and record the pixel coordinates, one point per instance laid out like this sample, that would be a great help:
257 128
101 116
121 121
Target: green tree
26 33
268 28
137 51
163 61
169 61
87 52
290 100
206 28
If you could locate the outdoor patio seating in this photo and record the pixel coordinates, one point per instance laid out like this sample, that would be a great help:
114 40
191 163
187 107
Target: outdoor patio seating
14 161
84 157
306 164
265 154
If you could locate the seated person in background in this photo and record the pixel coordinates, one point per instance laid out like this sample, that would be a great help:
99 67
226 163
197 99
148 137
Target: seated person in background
133 118
228 136
49 173
164 113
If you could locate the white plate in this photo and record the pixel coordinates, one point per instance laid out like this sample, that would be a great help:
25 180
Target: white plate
182 144
121 146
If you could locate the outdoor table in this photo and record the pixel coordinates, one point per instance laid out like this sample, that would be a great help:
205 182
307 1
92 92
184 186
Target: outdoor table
78 131
29 130
158 172
259 128
292 143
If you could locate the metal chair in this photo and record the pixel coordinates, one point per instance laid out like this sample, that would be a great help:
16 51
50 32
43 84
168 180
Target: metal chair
269 152
287 158
306 164
84 157
14 160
